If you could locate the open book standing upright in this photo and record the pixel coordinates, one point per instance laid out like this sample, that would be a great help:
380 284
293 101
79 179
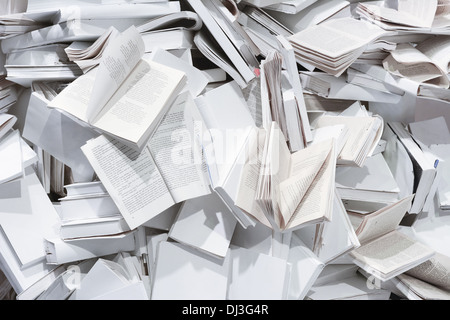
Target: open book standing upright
126 96
290 190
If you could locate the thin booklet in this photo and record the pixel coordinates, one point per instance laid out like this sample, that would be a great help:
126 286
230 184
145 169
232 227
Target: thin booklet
126 96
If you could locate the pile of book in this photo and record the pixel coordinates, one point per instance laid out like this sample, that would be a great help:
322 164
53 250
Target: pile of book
224 150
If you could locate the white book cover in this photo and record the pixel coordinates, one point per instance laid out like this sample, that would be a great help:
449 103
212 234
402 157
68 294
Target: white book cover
374 177
94 227
334 238
183 274
20 277
256 276
205 223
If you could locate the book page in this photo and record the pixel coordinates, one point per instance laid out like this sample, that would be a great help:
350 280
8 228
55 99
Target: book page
119 58
176 150
435 271
304 168
383 221
131 178
138 105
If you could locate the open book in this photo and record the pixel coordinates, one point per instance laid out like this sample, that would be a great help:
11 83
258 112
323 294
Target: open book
166 172
427 281
386 252
215 23
126 96
364 134
334 45
396 15
291 190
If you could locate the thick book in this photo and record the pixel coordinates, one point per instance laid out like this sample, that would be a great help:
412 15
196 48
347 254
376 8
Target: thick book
114 97
87 206
168 39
